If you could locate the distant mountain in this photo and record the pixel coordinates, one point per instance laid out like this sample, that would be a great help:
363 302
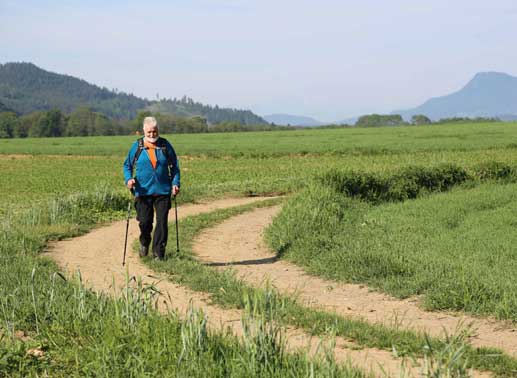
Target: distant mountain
507 117
292 120
488 94
348 121
25 88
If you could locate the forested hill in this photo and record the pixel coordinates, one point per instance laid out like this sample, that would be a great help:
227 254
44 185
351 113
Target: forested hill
26 88
187 107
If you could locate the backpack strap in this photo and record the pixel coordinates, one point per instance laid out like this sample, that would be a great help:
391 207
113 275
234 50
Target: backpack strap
137 153
162 145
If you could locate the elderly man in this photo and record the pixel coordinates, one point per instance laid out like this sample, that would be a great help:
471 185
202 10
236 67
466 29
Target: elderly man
157 177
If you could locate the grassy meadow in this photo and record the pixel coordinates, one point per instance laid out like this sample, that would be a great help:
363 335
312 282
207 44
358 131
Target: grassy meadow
349 142
217 165
453 246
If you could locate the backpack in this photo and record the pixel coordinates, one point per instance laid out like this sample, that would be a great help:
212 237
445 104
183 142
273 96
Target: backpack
161 144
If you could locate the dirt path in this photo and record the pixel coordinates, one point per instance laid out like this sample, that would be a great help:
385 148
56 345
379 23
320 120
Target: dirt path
238 243
98 256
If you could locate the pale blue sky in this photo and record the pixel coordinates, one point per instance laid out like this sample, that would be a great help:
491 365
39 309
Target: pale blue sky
326 59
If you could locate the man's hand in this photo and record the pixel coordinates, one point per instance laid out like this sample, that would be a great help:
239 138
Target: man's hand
175 190
131 183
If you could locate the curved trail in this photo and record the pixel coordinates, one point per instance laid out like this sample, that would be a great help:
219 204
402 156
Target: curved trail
98 257
237 242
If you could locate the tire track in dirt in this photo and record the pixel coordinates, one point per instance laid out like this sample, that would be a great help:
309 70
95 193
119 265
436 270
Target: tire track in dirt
238 243
98 257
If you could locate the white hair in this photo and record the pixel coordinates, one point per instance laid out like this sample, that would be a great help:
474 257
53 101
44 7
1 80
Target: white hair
150 121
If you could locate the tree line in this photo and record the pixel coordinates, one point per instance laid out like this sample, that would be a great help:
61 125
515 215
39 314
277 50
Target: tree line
375 120
86 122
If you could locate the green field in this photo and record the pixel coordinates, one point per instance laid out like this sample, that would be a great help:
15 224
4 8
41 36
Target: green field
457 249
349 142
453 247
217 165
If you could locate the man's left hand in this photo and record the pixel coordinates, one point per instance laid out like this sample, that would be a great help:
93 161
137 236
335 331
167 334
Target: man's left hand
175 190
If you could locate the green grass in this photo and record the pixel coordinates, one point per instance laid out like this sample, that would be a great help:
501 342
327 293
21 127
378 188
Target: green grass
228 291
456 249
63 187
29 179
86 334
361 142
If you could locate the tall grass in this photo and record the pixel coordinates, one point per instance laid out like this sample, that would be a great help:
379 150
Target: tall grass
51 326
34 180
410 183
79 333
228 291
413 181
84 334
454 249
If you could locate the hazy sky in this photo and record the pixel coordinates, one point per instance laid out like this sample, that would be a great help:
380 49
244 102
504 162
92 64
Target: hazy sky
326 59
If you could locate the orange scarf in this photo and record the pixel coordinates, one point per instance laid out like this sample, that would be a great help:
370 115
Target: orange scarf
151 152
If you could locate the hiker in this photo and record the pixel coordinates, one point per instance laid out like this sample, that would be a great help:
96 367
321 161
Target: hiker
157 177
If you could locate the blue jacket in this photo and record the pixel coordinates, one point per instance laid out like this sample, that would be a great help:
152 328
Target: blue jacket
151 181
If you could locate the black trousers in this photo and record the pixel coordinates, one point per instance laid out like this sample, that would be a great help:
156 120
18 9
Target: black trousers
145 207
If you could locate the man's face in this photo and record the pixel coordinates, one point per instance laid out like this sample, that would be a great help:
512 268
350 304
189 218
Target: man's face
151 131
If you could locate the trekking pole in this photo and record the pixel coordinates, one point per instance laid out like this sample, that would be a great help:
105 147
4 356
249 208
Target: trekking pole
127 229
177 231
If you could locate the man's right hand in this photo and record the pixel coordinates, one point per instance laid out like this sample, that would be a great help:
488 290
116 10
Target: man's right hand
131 183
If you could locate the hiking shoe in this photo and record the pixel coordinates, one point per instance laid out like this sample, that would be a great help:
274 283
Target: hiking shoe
159 253
143 251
